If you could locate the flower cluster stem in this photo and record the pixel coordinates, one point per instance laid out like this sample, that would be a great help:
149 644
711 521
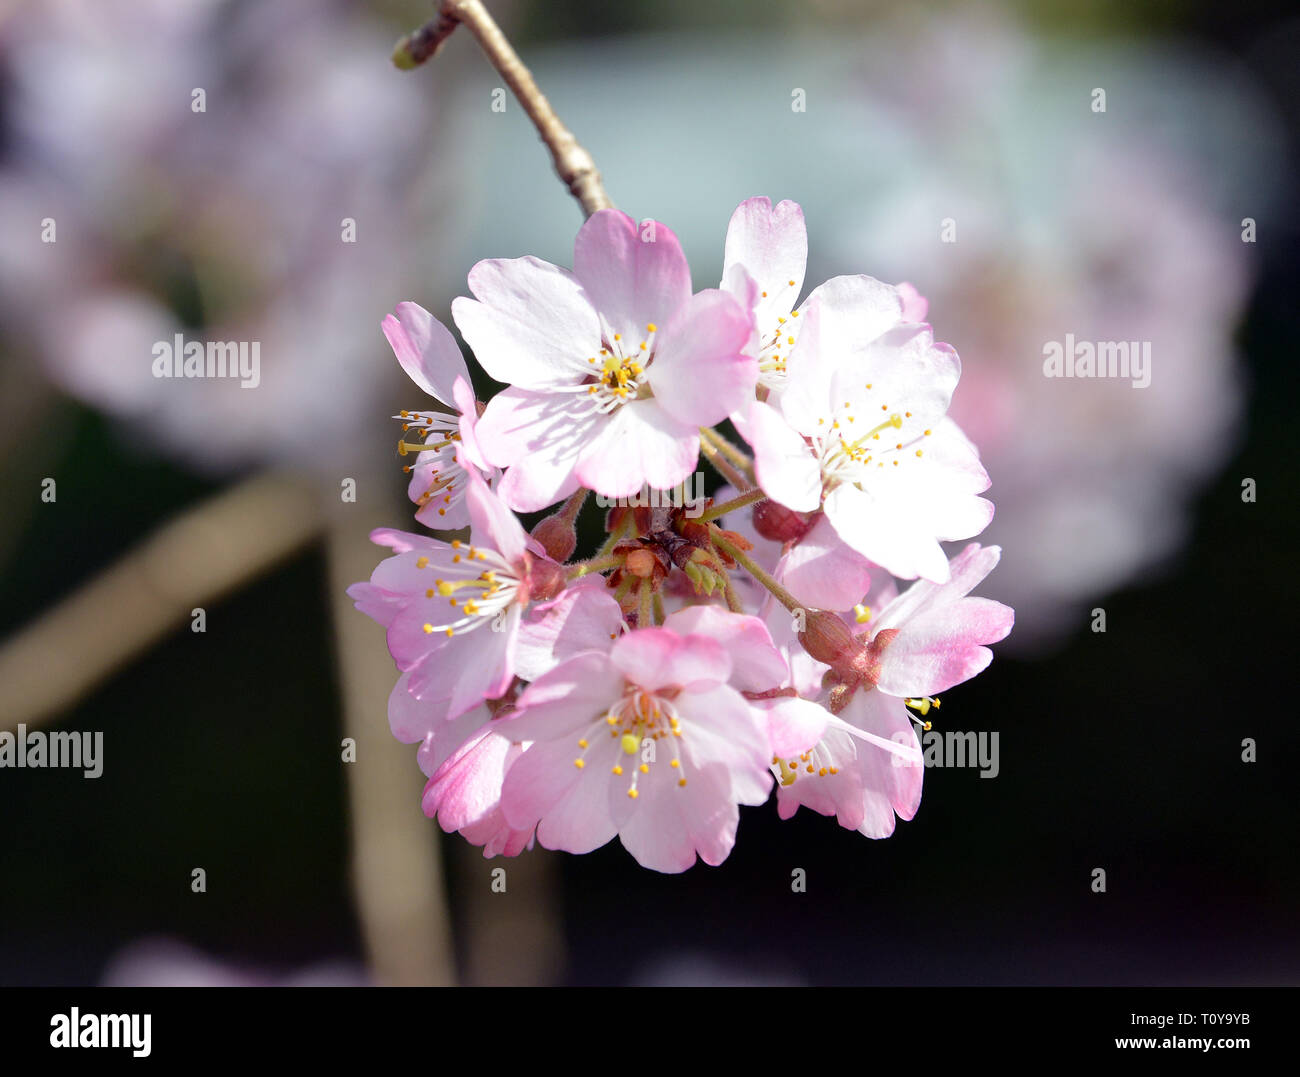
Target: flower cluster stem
713 512
751 566
722 464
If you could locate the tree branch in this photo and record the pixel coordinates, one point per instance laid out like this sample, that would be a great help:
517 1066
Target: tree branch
574 165
191 561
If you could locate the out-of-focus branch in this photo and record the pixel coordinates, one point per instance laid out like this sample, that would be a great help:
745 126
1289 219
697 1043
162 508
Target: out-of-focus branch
574 165
397 876
190 562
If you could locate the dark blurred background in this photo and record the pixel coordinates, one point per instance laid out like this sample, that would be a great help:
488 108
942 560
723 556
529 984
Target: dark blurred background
1120 750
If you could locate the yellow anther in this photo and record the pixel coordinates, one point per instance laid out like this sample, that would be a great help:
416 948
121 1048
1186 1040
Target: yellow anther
675 763
630 743
861 614
632 794
579 763
582 743
421 562
617 769
651 327
681 781
428 630
645 768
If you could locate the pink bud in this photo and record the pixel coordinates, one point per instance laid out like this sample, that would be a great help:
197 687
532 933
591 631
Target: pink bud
780 524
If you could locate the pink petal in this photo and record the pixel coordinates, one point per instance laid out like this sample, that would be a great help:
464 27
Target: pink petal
771 244
784 465
584 618
531 326
700 374
638 444
668 825
966 572
915 305
634 275
467 786
569 806
468 407
492 523
823 571
756 664
655 658
943 647
427 351
794 725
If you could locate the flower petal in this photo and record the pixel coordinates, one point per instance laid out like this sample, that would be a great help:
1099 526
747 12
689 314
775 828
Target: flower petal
771 243
531 324
427 351
700 373
634 275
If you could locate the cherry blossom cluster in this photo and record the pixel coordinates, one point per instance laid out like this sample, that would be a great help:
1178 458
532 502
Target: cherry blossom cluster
790 635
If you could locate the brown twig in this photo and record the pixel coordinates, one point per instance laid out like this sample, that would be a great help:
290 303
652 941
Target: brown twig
574 165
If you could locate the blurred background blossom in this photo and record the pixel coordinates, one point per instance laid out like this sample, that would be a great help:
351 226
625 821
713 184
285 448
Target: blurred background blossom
223 224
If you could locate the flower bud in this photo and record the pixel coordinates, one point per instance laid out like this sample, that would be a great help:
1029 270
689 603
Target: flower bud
557 536
776 522
828 639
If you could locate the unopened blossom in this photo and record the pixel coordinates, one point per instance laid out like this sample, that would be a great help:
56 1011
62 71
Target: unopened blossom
648 742
281 215
453 610
862 435
428 353
612 367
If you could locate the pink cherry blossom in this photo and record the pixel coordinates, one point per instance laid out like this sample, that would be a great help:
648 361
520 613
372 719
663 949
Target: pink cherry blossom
865 765
613 367
865 768
428 353
764 260
453 610
648 742
861 434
